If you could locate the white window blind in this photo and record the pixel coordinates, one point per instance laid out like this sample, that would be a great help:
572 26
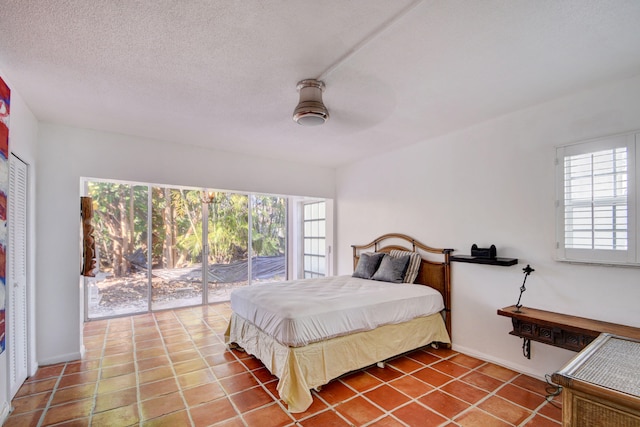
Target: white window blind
596 206
595 196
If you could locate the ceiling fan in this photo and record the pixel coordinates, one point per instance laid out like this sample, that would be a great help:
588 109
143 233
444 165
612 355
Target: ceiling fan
310 110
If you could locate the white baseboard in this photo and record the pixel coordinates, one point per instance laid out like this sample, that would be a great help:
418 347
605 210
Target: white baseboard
4 412
504 363
61 359
33 367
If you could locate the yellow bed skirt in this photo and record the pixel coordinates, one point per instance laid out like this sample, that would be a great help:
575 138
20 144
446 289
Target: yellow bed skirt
301 369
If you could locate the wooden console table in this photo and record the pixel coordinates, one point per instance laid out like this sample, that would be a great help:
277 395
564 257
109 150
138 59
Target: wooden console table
560 330
602 384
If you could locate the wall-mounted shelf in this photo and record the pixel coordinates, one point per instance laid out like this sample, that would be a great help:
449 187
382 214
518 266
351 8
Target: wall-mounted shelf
505 262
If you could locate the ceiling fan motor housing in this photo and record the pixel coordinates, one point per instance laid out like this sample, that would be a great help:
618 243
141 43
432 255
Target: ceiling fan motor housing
310 111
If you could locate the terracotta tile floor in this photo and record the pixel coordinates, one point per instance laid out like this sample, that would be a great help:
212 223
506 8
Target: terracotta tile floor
172 368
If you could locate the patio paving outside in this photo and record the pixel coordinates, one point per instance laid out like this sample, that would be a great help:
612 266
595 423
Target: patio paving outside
110 296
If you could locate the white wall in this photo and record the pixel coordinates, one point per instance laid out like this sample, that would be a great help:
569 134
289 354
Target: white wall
67 154
494 184
23 130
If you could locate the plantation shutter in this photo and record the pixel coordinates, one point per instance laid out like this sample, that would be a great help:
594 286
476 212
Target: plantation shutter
596 200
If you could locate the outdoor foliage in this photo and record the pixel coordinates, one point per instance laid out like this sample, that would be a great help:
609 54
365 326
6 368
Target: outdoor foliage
120 223
268 236
121 226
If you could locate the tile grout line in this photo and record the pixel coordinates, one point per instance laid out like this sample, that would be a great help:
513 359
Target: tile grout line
493 393
102 356
490 394
175 374
333 407
454 379
483 399
415 399
59 380
246 369
53 392
253 375
202 357
210 368
383 382
411 399
259 382
137 370
534 412
476 404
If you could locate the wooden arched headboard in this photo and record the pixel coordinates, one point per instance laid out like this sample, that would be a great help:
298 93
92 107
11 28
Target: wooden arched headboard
435 268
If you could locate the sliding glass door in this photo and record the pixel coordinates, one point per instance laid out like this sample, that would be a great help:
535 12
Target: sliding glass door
177 248
157 246
120 284
227 245
268 238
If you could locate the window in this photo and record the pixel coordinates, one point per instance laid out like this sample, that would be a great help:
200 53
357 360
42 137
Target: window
314 235
596 201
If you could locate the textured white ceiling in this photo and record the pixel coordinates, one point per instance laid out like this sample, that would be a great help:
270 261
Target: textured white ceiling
223 74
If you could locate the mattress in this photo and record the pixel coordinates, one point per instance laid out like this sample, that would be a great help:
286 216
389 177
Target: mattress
297 313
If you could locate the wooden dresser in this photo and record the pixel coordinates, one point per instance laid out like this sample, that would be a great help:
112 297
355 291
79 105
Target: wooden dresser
602 384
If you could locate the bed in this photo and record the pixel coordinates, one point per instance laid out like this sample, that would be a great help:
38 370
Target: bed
308 341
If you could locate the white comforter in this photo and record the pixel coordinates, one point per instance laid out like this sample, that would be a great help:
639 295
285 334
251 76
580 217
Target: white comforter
296 313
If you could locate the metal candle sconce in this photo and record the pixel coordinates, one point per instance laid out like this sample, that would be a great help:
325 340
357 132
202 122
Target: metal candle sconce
527 271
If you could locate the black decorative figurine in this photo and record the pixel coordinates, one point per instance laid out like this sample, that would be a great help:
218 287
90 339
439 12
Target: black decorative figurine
527 271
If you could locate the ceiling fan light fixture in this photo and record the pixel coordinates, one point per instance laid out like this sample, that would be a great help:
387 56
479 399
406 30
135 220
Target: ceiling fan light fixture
310 111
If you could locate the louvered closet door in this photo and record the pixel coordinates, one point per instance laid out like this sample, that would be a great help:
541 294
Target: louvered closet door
16 302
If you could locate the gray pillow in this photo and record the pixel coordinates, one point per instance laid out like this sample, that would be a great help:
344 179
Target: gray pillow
367 265
414 264
392 269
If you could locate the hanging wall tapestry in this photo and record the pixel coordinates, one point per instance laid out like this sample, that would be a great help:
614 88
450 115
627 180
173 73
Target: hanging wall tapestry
88 242
4 190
